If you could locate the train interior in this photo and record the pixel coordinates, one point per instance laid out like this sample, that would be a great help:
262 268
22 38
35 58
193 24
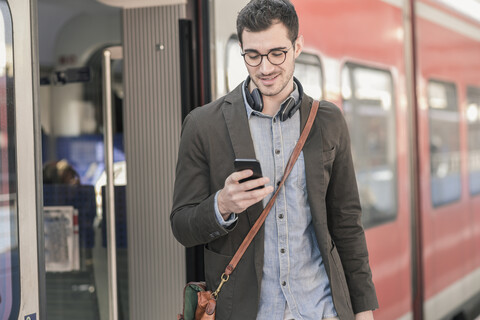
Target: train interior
72 38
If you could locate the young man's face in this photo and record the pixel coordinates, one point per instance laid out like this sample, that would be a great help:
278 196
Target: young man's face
272 80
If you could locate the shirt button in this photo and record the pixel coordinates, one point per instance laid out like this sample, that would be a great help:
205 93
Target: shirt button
277 151
282 250
278 183
284 283
280 216
274 120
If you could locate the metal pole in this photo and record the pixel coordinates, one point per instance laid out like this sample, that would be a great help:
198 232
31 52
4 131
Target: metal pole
108 54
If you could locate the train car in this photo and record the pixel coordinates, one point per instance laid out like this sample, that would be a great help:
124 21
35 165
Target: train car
448 47
92 97
423 244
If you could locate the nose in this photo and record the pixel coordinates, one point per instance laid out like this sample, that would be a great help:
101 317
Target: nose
266 67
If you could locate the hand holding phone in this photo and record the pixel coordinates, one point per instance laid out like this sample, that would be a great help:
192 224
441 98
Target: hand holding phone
252 164
236 197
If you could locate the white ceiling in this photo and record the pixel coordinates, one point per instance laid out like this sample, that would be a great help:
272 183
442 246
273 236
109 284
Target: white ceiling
92 6
54 14
141 3
470 8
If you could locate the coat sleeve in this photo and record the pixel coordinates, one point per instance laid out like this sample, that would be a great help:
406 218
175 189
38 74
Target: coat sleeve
345 225
193 217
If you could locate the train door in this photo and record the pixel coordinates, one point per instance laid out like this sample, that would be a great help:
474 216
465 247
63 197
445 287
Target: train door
448 113
18 232
110 113
81 105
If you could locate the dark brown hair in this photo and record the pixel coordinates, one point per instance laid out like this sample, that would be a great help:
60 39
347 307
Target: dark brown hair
259 15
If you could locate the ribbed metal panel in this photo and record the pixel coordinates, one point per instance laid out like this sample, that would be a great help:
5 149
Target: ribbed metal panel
152 130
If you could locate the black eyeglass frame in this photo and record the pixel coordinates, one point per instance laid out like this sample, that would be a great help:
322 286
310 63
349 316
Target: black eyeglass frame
243 54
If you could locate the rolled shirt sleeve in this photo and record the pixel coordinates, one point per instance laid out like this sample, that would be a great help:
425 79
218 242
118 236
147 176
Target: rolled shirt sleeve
223 223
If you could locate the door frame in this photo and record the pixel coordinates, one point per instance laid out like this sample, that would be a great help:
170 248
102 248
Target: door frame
28 158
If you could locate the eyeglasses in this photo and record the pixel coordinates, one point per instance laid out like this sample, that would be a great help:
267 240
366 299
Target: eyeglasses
275 56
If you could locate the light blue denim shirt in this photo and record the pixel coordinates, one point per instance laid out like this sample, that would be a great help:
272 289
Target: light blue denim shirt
293 269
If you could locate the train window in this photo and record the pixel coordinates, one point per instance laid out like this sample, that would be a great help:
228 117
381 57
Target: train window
473 120
444 142
368 104
9 259
308 70
235 71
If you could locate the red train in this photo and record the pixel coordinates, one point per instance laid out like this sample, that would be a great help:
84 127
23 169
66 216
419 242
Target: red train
413 106
407 76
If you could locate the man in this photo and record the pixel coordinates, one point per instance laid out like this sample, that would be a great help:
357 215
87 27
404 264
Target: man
309 260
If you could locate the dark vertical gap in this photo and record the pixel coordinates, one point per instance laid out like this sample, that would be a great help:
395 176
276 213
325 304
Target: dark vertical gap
204 26
197 13
187 72
416 219
195 91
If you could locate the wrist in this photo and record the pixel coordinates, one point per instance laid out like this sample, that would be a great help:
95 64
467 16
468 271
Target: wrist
225 216
365 315
223 211
221 208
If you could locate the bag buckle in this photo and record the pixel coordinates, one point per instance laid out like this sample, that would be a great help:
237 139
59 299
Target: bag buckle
224 279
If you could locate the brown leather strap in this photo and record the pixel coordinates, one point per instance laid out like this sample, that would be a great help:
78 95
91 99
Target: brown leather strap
291 162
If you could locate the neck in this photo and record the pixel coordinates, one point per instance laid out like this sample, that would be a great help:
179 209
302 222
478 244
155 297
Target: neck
271 104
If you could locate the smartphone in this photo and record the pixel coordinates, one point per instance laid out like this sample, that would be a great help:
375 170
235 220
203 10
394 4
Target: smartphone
252 164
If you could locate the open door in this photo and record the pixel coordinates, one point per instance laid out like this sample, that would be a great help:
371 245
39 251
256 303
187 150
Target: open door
19 208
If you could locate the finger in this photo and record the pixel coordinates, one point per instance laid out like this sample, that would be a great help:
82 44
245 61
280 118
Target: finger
254 197
252 184
260 193
239 175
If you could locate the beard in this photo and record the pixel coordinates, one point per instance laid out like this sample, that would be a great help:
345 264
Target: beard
281 82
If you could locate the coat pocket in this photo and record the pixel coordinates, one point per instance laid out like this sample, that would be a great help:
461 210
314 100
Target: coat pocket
215 264
328 157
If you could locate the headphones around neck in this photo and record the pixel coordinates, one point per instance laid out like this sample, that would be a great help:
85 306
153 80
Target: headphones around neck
288 107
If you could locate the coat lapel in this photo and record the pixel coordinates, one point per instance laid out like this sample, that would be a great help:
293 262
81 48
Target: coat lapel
239 131
313 156
237 124
305 111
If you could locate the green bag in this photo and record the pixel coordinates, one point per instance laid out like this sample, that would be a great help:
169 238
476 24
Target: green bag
190 299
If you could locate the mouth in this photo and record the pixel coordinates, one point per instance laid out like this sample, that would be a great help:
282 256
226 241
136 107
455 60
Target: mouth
268 80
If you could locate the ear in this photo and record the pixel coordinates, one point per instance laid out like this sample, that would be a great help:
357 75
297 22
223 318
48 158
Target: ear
298 45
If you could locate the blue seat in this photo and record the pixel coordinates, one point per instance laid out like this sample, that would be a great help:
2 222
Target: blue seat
120 217
81 198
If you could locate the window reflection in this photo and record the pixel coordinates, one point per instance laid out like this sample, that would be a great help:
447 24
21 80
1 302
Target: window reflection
308 71
235 71
9 260
370 113
473 120
444 142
